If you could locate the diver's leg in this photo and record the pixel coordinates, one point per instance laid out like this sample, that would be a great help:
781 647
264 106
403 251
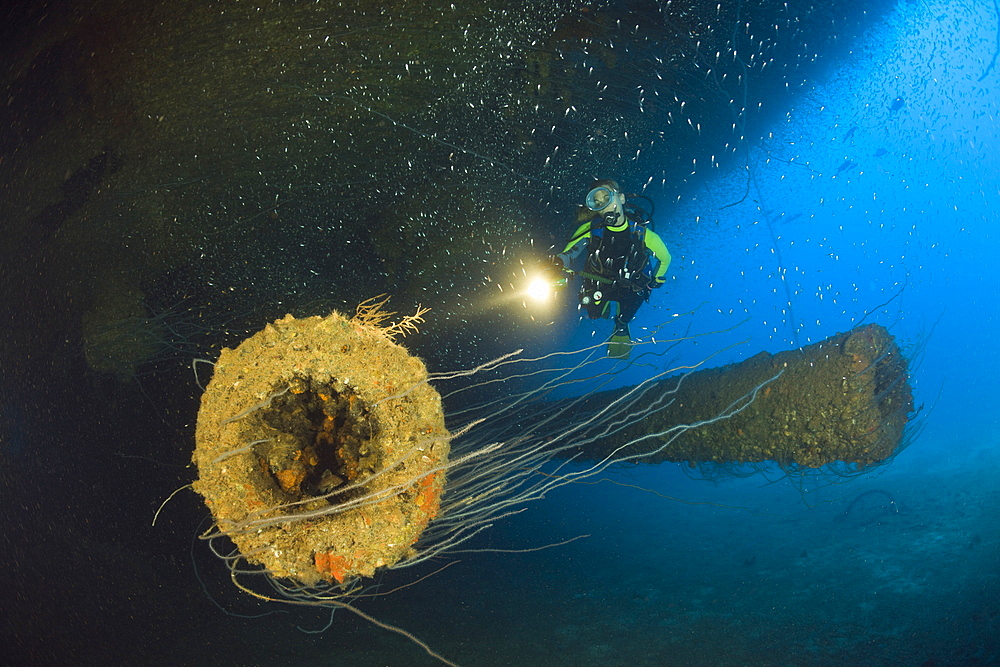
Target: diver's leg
628 306
620 343
621 327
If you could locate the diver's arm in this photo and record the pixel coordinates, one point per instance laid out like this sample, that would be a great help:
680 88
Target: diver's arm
576 245
659 250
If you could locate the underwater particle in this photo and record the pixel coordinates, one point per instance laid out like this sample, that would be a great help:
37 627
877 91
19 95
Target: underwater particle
321 464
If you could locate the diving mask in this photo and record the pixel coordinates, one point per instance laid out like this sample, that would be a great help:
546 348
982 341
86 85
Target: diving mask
600 198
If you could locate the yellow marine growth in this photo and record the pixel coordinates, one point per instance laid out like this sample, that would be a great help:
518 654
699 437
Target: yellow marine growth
321 449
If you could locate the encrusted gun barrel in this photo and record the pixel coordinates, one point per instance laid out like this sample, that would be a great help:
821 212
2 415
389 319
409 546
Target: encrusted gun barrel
845 399
321 449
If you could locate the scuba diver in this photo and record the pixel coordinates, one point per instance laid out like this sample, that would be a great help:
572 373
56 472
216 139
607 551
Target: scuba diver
625 260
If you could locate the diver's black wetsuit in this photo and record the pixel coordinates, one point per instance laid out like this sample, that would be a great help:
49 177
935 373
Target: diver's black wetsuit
620 256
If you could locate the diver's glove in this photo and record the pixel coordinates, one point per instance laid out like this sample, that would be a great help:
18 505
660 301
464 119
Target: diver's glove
648 283
557 271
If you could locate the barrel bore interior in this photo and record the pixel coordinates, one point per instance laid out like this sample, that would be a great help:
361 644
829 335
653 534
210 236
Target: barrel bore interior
324 441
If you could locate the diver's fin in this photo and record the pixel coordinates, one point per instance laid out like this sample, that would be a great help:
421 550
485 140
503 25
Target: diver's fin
619 347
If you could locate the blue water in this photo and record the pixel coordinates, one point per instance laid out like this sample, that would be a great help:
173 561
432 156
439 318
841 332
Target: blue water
878 187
